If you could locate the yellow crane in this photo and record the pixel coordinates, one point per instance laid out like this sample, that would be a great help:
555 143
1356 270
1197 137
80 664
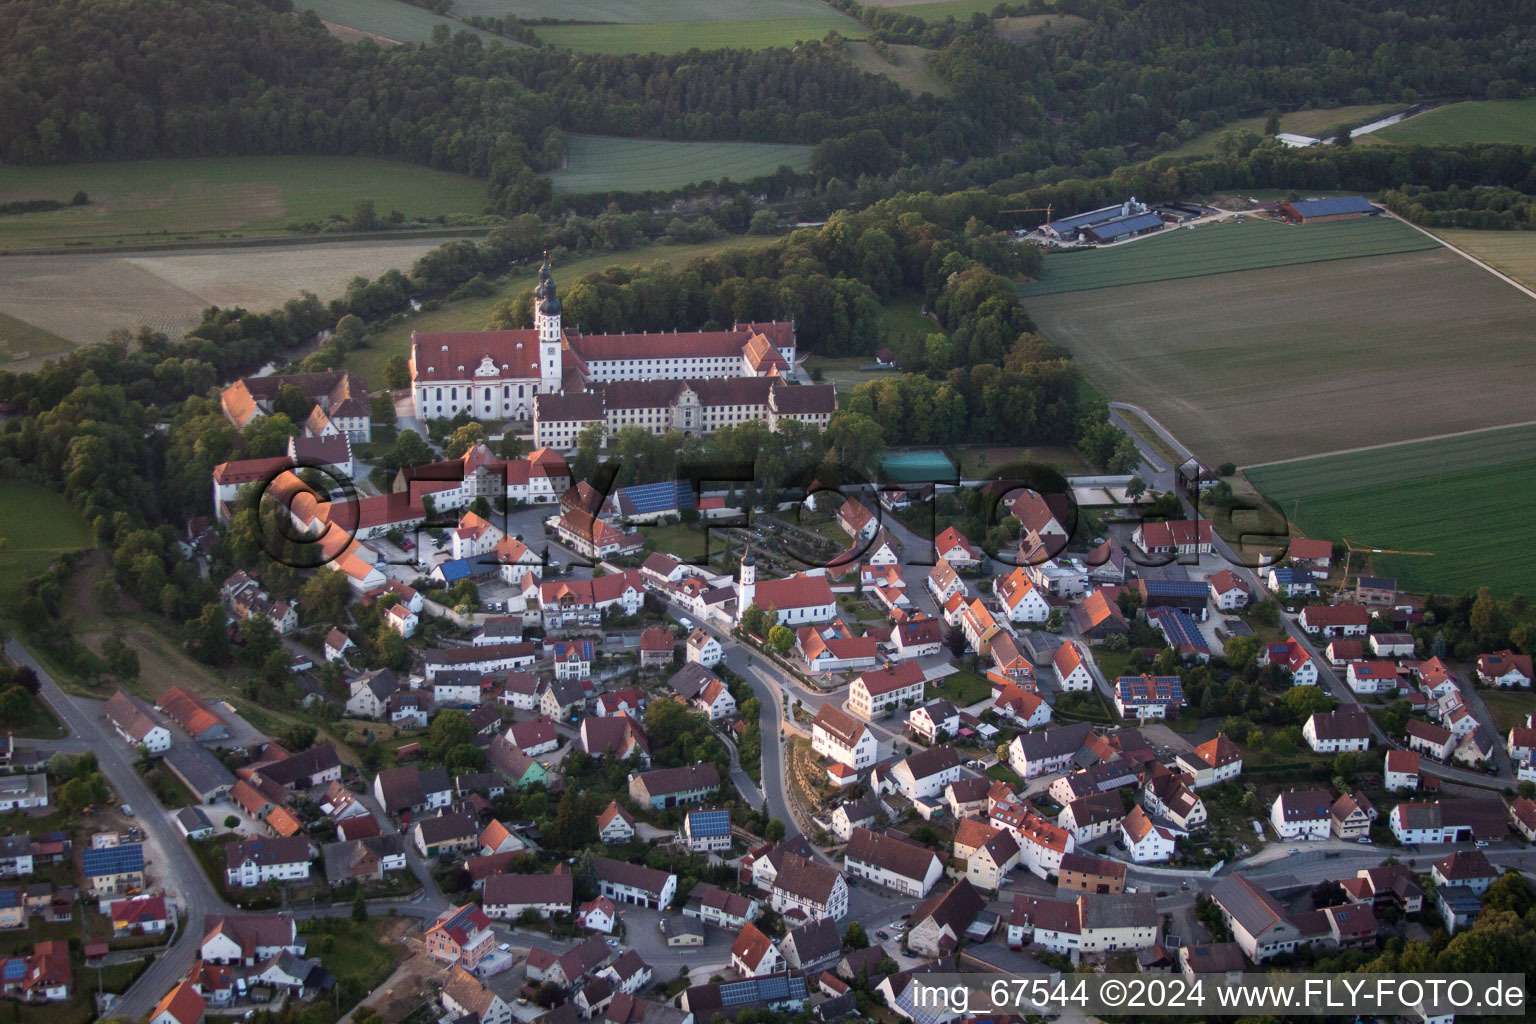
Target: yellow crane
1046 209
1370 561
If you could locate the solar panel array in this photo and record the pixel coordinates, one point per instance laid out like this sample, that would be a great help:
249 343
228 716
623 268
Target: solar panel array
10 897
113 860
1178 588
1181 630
648 499
709 823
1162 689
15 968
766 989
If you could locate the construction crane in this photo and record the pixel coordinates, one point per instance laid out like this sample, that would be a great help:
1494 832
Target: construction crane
1046 209
1370 560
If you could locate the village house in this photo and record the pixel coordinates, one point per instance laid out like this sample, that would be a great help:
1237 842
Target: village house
1145 842
1401 771
1258 922
1214 761
461 936
840 737
877 693
1334 732
892 862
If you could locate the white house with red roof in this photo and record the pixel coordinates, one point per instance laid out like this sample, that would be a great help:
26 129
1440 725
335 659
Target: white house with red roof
876 693
1145 842
1020 598
402 620
703 649
943 582
794 600
1316 555
1026 709
953 547
916 636
856 520
474 536
1505 668
1368 677
1333 620
1521 742
1071 665
1402 770
1176 537
1229 592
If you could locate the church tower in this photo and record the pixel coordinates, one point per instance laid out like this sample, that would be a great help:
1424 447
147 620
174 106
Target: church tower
746 589
546 320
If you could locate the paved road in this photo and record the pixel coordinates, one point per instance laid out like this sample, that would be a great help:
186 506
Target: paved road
182 872
1326 675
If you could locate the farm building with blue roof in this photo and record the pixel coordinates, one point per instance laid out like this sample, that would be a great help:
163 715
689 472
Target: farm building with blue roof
1316 211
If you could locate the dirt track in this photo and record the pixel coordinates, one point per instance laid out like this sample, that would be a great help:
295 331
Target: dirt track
82 297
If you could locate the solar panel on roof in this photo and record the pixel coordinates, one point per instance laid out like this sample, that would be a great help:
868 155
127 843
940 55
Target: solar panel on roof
15 968
9 898
1178 588
113 860
660 497
709 823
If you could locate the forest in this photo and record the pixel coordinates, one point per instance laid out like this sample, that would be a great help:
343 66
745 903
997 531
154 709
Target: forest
85 80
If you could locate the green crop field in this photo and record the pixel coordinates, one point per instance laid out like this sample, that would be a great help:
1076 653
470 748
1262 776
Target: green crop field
1510 252
1466 499
38 526
1478 121
1026 28
1315 123
910 71
680 37
249 195
1221 248
1307 358
21 340
942 10
473 314
392 19
604 164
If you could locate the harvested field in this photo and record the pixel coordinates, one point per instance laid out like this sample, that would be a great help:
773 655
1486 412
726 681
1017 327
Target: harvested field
680 37
1464 498
395 20
81 298
627 12
1478 121
910 71
1221 247
1029 27
1295 360
1510 252
21 341
606 164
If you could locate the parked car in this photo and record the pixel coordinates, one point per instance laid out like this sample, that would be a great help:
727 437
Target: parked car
882 935
128 810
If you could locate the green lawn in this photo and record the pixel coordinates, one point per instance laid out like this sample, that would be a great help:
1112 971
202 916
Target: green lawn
21 340
605 164
1026 28
1479 121
38 526
352 950
473 314
218 196
1508 707
963 688
943 10
1222 248
392 19
910 69
682 541
987 459
682 36
1463 498
1315 123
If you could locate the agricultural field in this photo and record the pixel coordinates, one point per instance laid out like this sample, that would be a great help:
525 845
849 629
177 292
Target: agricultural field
391 20
910 71
1026 28
1258 365
1464 498
682 36
162 200
1510 252
628 12
21 341
1298 122
38 526
473 314
81 297
937 11
1478 121
1221 247
606 164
